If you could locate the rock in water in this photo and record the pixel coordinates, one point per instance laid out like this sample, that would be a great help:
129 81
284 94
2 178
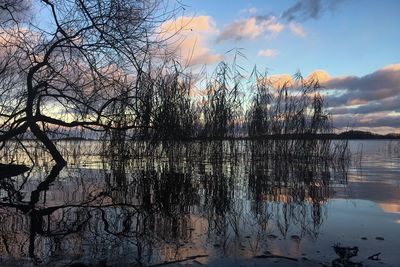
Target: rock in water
10 170
345 252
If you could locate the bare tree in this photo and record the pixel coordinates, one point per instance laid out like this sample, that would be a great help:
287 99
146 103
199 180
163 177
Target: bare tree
14 11
71 69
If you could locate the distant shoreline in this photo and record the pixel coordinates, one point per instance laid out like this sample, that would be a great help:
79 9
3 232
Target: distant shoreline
348 135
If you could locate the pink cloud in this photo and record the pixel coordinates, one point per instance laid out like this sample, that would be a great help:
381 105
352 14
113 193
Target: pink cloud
189 39
297 29
267 53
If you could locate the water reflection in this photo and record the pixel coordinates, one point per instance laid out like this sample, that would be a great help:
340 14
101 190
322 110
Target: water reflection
186 200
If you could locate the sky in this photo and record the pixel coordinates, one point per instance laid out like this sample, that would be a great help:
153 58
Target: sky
351 45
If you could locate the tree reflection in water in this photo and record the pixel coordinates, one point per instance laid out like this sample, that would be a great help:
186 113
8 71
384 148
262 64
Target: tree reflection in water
165 203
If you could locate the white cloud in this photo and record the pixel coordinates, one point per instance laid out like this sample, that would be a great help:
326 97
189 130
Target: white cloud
267 52
250 28
250 10
297 29
272 26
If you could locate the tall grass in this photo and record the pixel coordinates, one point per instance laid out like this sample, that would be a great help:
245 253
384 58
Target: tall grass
289 121
222 106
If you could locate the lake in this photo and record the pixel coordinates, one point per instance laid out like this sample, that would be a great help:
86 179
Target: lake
200 204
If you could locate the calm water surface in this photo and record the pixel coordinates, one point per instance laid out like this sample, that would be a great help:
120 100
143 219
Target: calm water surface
220 210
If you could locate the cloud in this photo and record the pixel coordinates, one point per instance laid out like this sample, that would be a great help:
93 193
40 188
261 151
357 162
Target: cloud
320 75
372 120
189 37
256 25
361 106
14 42
371 101
309 9
250 10
356 102
250 28
297 29
381 84
267 53
392 67
345 91
202 24
279 80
